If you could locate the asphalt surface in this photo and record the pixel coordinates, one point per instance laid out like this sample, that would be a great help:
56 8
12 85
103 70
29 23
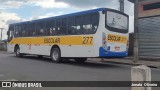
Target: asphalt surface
31 68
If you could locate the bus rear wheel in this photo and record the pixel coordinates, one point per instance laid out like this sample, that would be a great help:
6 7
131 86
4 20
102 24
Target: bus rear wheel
56 55
17 51
80 60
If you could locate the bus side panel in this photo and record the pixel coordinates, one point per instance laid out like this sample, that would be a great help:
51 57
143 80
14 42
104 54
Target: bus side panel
10 47
98 35
24 48
36 49
77 51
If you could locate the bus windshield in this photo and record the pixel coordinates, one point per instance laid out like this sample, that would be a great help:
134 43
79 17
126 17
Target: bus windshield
115 20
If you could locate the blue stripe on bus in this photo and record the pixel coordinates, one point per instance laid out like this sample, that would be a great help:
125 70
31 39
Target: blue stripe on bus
105 53
67 15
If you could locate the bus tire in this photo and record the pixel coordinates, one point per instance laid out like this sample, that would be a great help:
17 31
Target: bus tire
80 60
17 51
56 55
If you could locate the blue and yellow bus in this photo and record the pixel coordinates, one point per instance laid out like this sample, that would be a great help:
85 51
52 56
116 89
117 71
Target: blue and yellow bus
99 32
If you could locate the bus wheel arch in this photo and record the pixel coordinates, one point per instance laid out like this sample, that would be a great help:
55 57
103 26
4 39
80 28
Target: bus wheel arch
55 54
17 51
15 47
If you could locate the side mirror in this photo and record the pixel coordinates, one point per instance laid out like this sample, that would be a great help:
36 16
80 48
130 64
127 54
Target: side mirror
104 11
7 32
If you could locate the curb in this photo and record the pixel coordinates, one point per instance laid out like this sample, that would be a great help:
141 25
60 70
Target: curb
121 63
128 62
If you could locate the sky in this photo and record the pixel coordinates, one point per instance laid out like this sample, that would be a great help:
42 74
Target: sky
12 11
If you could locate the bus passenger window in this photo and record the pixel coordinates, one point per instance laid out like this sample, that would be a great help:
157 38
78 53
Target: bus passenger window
20 31
40 29
94 22
61 25
17 31
58 31
58 25
52 31
10 33
50 28
78 30
24 31
79 25
31 29
71 26
33 33
94 28
87 24
63 28
73 30
87 28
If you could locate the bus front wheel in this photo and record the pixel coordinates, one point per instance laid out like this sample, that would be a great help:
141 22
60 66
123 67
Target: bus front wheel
56 55
80 60
17 51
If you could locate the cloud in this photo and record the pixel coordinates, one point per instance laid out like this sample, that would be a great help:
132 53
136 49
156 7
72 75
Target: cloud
5 4
7 18
90 3
114 4
50 14
49 4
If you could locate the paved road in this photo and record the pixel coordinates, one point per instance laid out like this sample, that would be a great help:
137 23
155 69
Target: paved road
33 68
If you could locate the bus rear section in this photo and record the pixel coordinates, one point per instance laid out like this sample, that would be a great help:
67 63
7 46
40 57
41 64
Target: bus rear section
115 35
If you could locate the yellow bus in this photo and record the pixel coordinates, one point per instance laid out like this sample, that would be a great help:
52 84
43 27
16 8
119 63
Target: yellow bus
99 32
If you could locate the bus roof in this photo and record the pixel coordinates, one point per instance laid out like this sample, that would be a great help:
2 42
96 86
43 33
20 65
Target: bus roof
62 16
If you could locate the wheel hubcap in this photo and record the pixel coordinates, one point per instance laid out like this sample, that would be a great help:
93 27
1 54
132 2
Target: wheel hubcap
55 55
18 52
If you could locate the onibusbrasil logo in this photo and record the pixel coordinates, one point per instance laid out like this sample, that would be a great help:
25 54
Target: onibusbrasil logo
20 84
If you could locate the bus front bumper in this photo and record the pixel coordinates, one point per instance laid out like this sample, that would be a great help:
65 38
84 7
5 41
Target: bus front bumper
105 53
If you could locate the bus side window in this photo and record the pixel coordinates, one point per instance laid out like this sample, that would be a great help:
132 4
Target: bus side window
58 25
50 28
87 26
20 30
17 31
24 30
40 28
31 29
71 26
10 33
79 25
63 28
61 25
94 21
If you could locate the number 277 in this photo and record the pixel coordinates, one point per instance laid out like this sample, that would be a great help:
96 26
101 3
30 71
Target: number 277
87 40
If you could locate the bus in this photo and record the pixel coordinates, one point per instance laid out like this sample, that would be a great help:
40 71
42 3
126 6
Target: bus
96 33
